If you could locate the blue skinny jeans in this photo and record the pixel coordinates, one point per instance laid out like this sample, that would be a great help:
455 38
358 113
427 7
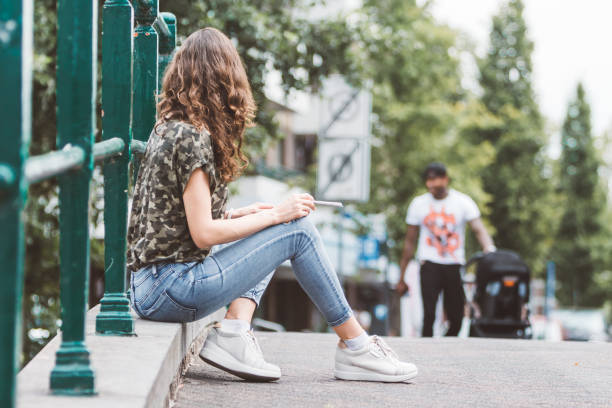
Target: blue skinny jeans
184 292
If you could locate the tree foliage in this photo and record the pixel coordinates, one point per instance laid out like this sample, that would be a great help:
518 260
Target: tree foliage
421 112
522 204
273 35
581 228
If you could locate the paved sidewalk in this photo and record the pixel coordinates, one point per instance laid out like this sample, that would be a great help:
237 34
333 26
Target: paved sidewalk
452 373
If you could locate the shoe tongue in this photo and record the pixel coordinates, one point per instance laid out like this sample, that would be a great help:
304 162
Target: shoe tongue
253 341
380 349
377 351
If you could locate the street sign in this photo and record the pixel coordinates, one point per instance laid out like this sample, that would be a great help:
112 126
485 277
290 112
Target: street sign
343 169
344 110
344 141
370 248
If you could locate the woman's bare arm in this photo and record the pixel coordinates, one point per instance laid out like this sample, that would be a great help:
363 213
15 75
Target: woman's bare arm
249 209
207 232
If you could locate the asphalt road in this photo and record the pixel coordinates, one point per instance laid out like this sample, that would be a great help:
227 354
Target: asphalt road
452 373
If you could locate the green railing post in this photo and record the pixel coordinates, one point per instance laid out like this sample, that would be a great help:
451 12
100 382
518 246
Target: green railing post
117 48
167 44
16 118
145 71
76 91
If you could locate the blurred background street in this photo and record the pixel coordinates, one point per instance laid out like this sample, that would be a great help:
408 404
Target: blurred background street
354 99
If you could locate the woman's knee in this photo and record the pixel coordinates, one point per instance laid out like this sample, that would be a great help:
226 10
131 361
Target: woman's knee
307 228
305 225
306 235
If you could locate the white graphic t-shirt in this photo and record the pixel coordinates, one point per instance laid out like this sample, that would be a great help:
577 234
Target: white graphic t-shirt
442 226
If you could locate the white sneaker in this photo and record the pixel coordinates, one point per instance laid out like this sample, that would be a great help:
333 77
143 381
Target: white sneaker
238 354
374 362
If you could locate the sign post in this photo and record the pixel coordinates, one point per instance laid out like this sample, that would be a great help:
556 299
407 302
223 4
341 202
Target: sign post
550 287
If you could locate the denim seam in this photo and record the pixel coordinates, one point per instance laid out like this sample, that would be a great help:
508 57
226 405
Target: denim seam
157 282
211 256
250 296
347 315
311 243
257 249
346 312
138 282
252 292
133 298
188 309
160 299
210 276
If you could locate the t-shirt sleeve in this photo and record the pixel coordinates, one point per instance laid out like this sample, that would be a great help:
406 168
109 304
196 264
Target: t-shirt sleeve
193 150
412 215
471 209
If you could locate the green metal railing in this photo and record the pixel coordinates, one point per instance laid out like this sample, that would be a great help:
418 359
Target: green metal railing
133 60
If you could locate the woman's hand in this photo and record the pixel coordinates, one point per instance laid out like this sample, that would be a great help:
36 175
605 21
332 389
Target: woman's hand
296 206
251 209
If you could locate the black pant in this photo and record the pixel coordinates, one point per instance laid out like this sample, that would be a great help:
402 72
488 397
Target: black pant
434 278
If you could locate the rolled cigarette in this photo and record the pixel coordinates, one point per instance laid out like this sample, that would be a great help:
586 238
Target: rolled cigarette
329 203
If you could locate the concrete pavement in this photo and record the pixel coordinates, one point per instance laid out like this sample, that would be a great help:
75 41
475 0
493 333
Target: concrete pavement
452 373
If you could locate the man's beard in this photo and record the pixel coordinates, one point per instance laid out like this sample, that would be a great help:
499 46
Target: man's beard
439 192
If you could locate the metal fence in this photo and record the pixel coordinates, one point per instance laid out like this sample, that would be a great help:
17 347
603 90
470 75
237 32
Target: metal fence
134 57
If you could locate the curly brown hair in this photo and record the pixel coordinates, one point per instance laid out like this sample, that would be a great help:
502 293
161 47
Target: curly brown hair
206 85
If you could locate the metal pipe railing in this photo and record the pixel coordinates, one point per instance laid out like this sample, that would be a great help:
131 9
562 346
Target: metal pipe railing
167 44
16 53
145 71
76 94
7 177
124 103
117 50
138 147
107 149
161 27
49 165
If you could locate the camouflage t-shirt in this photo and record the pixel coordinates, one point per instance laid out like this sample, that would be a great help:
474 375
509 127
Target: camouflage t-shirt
158 230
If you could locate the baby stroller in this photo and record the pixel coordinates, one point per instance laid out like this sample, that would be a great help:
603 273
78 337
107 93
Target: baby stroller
498 307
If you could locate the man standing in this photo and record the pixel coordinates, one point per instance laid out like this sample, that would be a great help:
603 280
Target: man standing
438 218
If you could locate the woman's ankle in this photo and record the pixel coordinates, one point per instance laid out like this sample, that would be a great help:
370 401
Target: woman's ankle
235 325
241 309
349 329
357 343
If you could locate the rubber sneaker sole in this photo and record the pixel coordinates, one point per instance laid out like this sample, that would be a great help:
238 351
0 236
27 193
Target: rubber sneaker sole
221 359
352 373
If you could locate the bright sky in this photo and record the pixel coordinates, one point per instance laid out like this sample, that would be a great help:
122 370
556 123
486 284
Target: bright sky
573 42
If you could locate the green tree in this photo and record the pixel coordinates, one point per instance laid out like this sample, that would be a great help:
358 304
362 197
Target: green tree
273 35
421 112
521 206
581 227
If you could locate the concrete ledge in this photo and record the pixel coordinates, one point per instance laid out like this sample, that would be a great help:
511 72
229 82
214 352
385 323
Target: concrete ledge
139 371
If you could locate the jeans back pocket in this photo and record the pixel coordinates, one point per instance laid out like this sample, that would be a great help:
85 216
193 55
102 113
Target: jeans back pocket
166 309
147 287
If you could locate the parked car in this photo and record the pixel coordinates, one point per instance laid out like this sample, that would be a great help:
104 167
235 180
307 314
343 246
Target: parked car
582 324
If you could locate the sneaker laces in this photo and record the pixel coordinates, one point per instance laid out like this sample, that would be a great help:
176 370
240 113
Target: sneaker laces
384 348
253 340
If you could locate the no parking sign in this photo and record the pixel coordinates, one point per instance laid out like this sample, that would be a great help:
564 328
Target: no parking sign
344 142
